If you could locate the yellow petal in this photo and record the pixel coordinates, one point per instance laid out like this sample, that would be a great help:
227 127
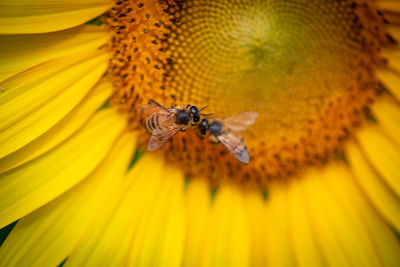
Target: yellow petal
338 180
381 196
40 84
197 213
382 154
391 80
379 237
61 131
394 31
278 244
129 218
393 56
37 182
228 233
387 112
330 225
26 16
388 5
167 245
119 218
21 52
339 215
26 121
160 236
48 235
255 206
305 247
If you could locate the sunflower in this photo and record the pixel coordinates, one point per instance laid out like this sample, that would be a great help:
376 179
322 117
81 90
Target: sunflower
77 187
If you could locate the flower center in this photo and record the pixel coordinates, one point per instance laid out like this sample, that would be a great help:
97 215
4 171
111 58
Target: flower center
306 67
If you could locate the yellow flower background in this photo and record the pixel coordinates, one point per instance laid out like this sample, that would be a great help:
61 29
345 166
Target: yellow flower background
75 179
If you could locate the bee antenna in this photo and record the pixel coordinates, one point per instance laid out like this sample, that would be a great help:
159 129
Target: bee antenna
209 114
203 108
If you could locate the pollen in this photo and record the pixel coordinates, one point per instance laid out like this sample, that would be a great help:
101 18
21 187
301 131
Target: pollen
306 67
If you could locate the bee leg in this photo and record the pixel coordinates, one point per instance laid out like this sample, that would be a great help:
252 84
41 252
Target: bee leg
183 130
214 139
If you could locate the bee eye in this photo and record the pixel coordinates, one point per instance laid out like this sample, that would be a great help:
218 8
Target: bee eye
194 109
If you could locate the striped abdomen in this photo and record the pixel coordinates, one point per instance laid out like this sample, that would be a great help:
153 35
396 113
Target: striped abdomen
159 122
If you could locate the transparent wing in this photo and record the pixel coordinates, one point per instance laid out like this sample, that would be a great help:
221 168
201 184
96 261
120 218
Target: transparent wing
154 107
159 138
241 121
234 142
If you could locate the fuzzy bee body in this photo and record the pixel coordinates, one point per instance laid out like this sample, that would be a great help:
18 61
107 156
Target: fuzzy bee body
159 122
165 122
228 131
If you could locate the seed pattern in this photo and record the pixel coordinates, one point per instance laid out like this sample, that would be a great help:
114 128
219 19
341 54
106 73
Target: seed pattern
307 67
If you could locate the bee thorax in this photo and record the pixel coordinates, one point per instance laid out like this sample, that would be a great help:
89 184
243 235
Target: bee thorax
182 117
215 128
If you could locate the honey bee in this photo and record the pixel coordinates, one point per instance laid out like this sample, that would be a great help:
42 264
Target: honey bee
228 132
165 122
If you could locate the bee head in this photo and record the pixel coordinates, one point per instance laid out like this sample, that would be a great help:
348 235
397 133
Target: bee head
203 126
195 113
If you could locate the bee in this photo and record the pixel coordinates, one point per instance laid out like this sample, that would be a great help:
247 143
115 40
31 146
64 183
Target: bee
165 122
228 132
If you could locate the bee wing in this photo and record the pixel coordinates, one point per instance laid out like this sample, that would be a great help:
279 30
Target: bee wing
154 107
241 121
159 138
234 142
